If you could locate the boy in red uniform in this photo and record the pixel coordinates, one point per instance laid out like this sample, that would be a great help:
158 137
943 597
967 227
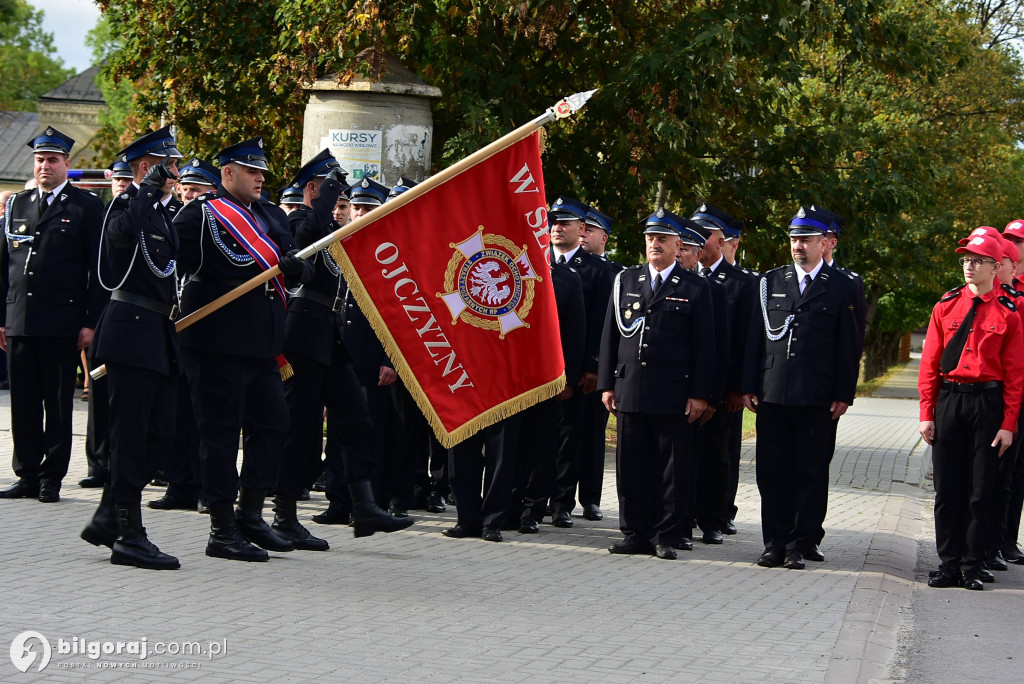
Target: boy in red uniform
970 384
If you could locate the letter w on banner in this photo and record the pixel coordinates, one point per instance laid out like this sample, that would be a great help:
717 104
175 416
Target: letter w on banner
457 286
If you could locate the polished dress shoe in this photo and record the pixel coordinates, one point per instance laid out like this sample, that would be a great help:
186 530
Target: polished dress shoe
631 547
794 560
91 482
729 527
435 503
333 516
685 544
814 554
771 558
994 561
398 510
159 481
561 519
946 577
592 512
49 493
22 489
491 534
973 581
984 575
528 526
665 552
1011 552
713 537
202 507
461 532
169 502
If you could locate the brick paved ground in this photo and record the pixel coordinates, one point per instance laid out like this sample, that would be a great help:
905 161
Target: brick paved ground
416 606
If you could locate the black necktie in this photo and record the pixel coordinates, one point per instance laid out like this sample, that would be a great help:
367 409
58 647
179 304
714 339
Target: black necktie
705 271
561 258
656 284
44 202
950 358
807 283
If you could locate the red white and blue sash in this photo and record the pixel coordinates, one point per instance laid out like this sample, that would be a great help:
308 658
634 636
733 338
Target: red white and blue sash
243 227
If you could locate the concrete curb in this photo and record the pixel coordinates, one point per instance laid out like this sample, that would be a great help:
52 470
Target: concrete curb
867 642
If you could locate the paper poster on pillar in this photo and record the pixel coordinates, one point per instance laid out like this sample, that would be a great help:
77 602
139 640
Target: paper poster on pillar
358 151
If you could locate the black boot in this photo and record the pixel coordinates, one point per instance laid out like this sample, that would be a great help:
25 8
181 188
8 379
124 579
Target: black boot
334 515
133 547
225 541
367 516
287 525
252 526
102 529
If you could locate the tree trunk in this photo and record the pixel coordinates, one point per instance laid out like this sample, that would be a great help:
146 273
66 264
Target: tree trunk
881 350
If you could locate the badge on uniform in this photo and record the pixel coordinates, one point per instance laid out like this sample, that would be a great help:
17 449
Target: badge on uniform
636 305
628 314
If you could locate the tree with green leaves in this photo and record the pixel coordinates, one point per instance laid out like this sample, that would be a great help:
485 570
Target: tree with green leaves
29 65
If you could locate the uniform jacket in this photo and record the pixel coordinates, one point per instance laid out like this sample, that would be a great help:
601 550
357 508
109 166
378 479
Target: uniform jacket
723 337
860 303
991 352
53 292
253 324
596 277
137 233
740 286
816 361
572 319
312 328
671 356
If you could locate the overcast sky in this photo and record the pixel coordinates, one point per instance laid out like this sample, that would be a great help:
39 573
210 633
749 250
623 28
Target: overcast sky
69 21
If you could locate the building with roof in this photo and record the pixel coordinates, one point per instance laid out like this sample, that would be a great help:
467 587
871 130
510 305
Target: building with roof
73 107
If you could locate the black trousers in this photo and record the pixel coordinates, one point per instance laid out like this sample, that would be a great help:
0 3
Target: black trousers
313 387
411 444
793 451
231 394
711 497
595 422
42 376
96 445
141 432
966 473
734 444
1009 497
535 459
182 466
652 460
570 452
481 471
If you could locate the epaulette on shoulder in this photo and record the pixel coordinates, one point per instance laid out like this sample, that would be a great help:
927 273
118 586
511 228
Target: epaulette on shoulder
1008 303
954 293
1011 291
777 268
635 266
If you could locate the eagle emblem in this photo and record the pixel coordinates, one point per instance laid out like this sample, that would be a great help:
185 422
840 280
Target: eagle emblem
489 283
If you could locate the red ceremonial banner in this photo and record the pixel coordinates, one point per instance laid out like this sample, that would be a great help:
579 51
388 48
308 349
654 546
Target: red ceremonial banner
456 284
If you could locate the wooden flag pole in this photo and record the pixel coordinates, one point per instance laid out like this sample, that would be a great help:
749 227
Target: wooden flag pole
562 109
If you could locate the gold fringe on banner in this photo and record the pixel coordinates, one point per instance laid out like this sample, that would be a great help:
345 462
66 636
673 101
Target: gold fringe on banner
471 427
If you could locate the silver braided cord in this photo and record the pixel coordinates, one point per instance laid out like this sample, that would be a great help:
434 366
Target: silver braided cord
773 334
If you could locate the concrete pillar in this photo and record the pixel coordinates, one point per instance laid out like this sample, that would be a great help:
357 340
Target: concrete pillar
381 129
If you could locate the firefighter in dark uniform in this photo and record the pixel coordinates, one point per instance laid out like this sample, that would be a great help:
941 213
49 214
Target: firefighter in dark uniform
656 374
567 218
136 340
51 302
182 468
538 437
800 375
231 356
597 228
323 374
713 505
970 383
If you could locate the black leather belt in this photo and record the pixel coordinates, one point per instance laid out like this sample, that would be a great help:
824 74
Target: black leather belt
971 386
332 303
168 310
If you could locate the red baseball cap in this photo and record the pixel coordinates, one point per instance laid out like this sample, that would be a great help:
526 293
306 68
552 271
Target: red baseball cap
983 230
1015 228
985 245
1010 251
